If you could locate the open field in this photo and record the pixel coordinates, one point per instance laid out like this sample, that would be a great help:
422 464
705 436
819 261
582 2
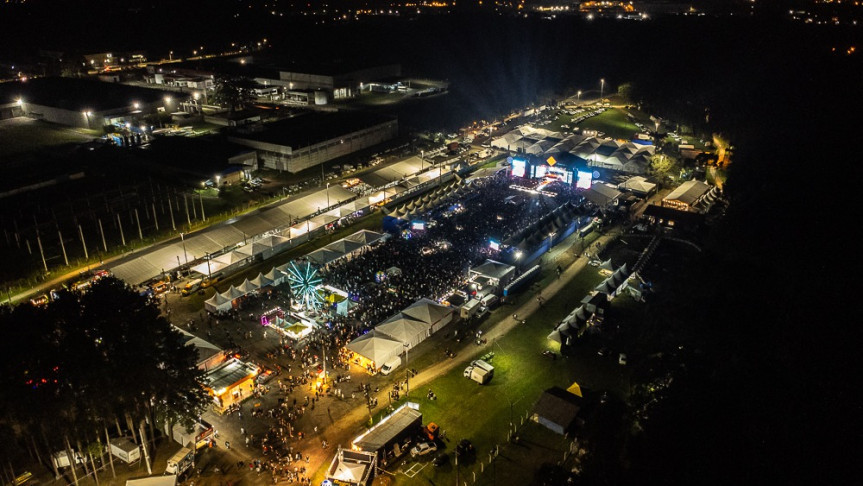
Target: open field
22 135
613 122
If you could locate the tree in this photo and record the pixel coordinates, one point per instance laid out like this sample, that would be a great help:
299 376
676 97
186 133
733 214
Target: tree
233 92
626 91
86 361
664 166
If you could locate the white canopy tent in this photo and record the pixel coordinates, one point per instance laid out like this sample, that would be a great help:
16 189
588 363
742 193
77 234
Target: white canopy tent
405 330
375 347
430 312
217 303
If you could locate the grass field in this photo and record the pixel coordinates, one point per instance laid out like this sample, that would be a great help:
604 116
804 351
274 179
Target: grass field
483 413
613 122
23 135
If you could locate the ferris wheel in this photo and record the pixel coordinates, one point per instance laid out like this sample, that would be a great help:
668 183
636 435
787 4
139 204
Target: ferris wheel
304 282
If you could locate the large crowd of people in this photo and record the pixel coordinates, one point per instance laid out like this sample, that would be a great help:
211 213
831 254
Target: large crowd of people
430 262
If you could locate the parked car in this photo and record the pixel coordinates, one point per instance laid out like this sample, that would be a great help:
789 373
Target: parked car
441 459
464 448
423 448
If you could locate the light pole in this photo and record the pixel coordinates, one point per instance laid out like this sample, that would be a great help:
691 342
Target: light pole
601 88
183 239
578 96
87 117
407 371
422 159
328 195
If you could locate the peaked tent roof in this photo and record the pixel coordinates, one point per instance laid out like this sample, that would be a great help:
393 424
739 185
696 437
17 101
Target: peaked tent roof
427 310
375 347
233 293
217 300
401 329
247 287
261 281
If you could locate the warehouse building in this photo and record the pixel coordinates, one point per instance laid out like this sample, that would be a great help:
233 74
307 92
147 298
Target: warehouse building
311 139
86 103
687 196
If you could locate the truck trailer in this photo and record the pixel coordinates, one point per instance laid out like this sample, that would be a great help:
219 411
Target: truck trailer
479 371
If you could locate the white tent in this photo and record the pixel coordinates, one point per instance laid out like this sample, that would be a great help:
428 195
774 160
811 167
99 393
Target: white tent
233 293
247 287
429 312
217 303
350 472
276 276
375 347
405 330
261 281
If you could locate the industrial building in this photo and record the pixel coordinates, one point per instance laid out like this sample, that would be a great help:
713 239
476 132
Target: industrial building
298 82
311 139
86 103
688 196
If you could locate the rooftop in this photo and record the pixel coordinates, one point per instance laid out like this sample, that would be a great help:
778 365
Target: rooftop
79 94
229 373
311 128
389 428
688 192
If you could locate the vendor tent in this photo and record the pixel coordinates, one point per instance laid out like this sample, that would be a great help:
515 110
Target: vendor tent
233 293
247 287
217 303
429 312
375 347
261 281
405 330
276 276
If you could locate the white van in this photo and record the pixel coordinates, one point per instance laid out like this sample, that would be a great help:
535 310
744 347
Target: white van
490 301
390 365
469 308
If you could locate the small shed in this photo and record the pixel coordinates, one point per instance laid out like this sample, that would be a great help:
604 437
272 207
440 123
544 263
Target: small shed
556 410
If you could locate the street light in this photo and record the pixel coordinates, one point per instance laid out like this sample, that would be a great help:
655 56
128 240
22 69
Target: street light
601 88
328 194
407 371
183 239
136 105
579 96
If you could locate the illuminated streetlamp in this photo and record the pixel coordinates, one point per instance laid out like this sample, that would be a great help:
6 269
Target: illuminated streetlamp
579 95
601 88
328 194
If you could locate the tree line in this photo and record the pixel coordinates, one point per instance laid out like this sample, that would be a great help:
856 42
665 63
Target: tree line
88 367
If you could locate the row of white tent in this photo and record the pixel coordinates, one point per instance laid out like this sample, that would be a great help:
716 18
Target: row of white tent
576 321
344 247
430 200
402 331
221 302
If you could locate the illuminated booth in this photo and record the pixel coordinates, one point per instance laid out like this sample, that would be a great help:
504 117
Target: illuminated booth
231 382
290 324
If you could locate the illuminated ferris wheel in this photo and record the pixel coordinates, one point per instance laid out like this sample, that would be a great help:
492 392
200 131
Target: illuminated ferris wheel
304 282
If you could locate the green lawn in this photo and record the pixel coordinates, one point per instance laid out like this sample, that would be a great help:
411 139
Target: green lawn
33 136
613 122
483 413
